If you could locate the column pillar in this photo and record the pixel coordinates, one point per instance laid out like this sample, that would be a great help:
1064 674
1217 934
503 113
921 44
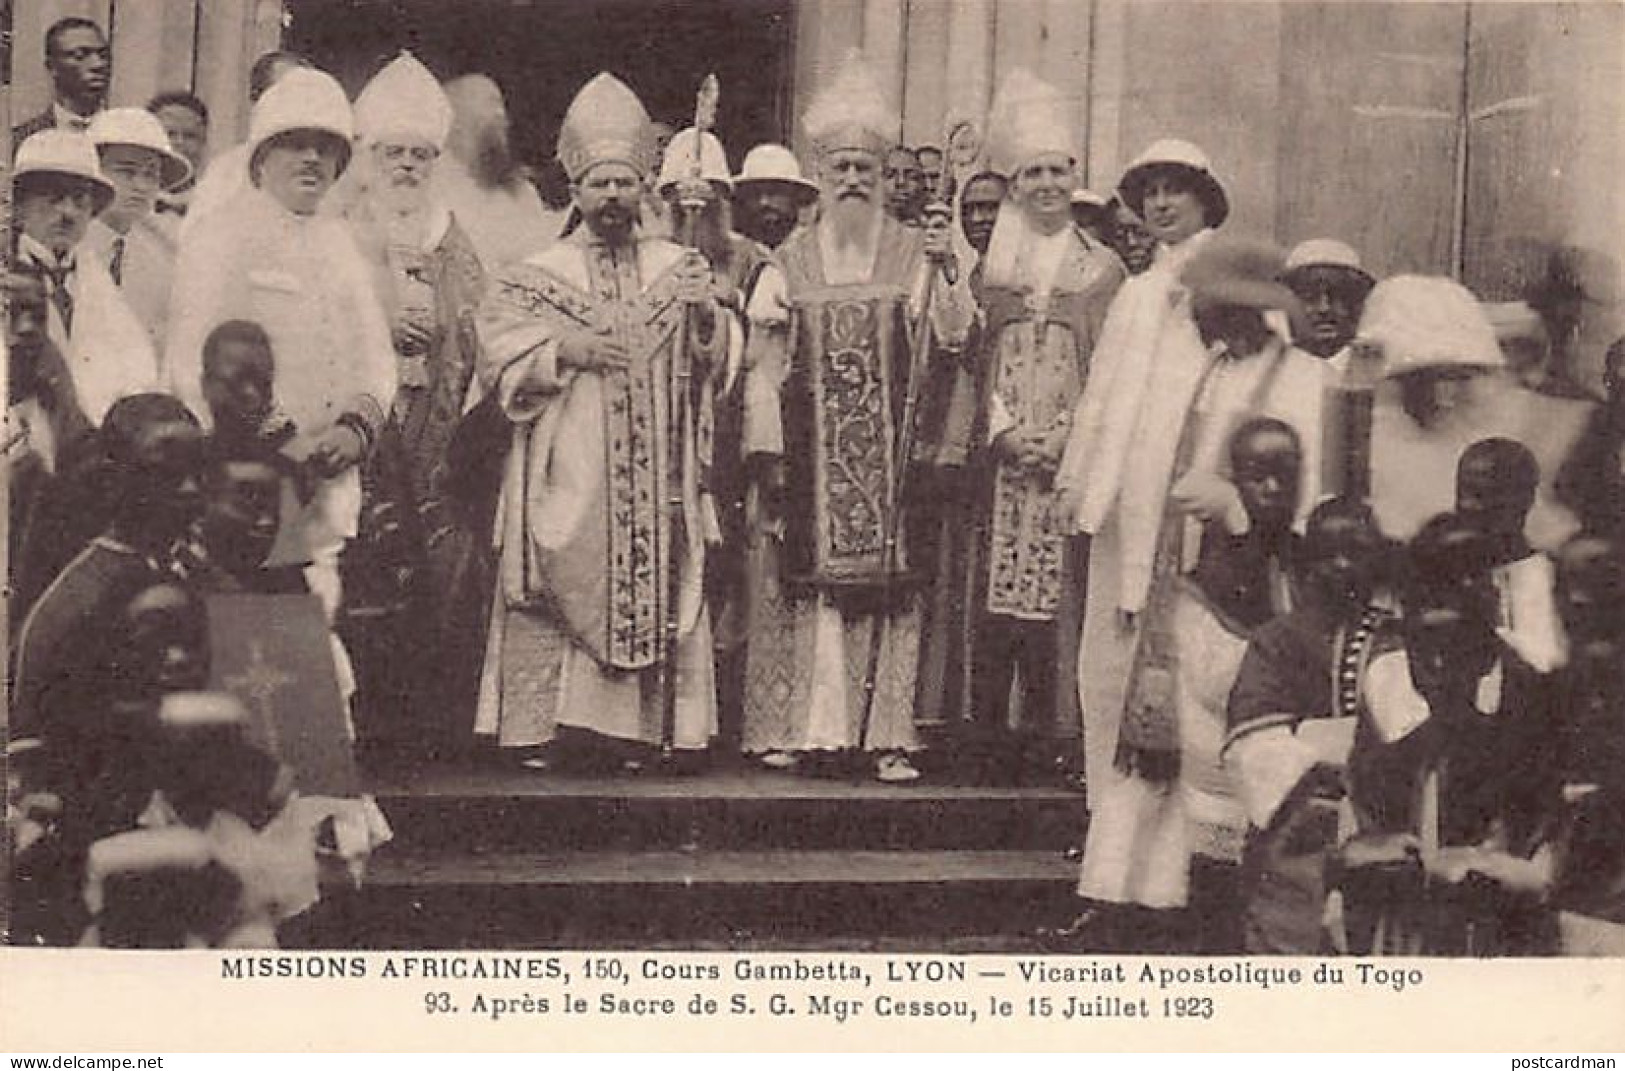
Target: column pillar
1064 60
971 34
1108 58
825 31
152 49
885 46
926 81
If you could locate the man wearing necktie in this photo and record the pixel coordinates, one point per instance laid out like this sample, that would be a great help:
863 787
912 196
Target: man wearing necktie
59 190
137 245
80 64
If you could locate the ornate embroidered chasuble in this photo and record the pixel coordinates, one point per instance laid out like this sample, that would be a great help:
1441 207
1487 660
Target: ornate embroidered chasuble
842 410
611 588
1039 361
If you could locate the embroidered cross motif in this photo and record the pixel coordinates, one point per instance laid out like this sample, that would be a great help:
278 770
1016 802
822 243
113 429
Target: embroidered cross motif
260 681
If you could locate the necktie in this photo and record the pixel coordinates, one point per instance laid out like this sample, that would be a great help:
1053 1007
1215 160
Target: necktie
59 293
115 263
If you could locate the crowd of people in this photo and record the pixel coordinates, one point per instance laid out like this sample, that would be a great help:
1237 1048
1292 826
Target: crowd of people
812 468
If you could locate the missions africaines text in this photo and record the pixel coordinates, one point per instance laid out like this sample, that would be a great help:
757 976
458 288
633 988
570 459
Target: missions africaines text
528 968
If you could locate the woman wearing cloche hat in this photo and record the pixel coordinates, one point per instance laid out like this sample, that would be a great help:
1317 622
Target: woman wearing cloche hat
1114 478
1117 475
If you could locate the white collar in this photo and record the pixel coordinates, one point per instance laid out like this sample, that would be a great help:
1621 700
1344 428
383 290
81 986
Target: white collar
67 118
100 236
1172 258
1487 700
43 256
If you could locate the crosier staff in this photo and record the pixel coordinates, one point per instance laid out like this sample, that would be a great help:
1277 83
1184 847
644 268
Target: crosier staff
1348 459
693 195
937 218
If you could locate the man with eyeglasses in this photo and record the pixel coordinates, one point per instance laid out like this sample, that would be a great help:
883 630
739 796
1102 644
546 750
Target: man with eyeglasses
418 671
81 66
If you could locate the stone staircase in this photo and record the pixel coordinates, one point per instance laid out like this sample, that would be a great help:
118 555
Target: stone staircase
738 858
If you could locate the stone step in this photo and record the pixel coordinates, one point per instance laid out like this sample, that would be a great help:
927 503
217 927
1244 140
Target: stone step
484 811
391 868
777 898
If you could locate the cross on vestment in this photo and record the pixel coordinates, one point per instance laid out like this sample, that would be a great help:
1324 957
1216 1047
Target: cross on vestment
260 682
276 654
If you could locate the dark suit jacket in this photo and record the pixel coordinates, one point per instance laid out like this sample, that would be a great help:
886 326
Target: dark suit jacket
29 127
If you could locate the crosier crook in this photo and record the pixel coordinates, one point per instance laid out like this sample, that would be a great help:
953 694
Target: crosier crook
679 405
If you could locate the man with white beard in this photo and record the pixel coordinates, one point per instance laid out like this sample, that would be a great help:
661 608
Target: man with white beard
1445 386
835 629
480 183
421 654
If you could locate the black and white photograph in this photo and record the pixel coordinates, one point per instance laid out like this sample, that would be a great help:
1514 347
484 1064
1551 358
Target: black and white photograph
937 478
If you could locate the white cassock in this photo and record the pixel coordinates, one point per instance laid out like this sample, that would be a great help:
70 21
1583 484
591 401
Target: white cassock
1117 470
223 180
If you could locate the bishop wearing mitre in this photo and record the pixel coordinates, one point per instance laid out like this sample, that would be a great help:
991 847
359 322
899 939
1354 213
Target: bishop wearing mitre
603 350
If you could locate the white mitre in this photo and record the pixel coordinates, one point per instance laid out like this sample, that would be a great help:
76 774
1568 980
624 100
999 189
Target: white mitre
851 111
403 101
606 123
1029 119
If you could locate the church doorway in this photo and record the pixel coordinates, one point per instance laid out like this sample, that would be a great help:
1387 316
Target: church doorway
542 51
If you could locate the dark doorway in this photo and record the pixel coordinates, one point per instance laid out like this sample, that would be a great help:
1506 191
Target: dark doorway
542 51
